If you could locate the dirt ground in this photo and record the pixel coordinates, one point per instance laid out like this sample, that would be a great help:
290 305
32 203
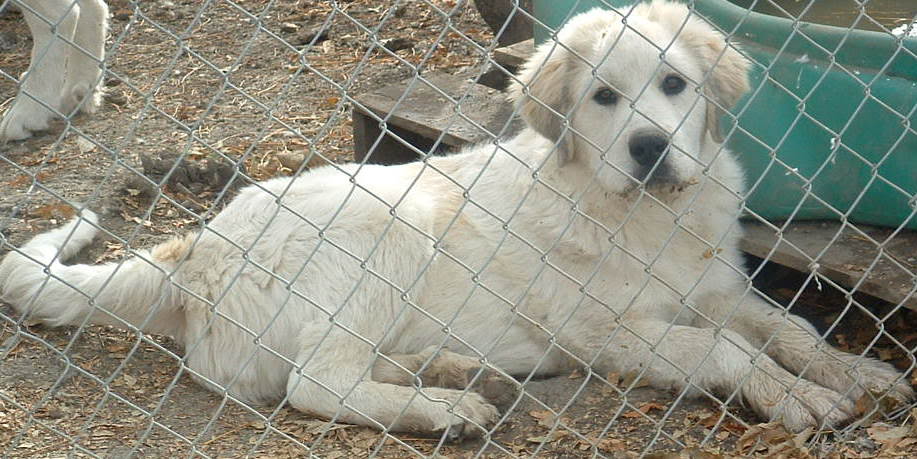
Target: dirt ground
212 80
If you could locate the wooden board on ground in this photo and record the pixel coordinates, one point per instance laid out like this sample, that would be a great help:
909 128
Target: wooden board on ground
844 255
513 56
470 113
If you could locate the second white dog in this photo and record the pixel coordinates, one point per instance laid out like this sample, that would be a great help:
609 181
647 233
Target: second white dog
65 70
604 233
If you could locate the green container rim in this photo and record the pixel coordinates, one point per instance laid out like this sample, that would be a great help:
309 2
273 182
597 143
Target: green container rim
849 47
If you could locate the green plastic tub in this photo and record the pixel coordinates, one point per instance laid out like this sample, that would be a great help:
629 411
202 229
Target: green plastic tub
830 133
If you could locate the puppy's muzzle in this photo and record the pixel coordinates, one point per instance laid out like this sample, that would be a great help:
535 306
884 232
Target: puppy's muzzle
649 150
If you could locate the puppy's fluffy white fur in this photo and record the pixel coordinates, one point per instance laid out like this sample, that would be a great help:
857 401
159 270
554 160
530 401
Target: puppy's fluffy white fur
65 72
533 254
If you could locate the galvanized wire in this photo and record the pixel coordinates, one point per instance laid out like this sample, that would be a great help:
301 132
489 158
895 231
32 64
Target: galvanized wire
258 17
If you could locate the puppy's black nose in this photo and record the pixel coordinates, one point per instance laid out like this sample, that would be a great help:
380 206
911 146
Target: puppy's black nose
647 148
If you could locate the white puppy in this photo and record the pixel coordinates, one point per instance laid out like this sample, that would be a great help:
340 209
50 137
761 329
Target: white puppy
65 72
609 239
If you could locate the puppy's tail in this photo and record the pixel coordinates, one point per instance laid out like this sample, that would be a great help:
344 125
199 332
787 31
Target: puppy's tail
131 293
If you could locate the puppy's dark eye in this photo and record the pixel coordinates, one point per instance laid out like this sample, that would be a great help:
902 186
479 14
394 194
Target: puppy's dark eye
605 96
672 85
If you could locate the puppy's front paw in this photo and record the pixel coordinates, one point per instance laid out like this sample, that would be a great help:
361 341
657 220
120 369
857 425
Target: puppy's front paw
798 403
811 405
878 379
86 95
23 118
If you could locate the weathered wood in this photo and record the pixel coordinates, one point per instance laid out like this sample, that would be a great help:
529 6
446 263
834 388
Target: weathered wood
387 147
507 61
844 256
514 56
425 111
496 12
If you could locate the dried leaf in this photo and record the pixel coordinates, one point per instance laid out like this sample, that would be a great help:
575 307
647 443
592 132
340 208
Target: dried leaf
117 347
113 251
687 453
889 436
614 378
53 211
330 102
710 420
768 439
644 408
553 436
25 179
545 418
612 444
127 380
630 378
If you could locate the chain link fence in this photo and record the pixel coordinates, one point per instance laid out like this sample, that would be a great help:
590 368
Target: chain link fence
203 98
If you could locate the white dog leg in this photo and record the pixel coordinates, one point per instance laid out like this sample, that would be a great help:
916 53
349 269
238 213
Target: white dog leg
84 67
723 362
53 24
443 368
329 381
794 343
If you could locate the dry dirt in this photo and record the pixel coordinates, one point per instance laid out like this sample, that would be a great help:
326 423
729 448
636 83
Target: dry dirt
212 81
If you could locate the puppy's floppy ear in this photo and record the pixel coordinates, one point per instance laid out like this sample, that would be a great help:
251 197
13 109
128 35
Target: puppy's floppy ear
727 70
541 96
541 91
727 78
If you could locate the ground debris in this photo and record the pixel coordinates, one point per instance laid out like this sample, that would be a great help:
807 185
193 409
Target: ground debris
311 36
772 439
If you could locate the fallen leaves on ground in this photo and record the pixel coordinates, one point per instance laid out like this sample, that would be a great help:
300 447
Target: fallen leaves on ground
772 439
643 409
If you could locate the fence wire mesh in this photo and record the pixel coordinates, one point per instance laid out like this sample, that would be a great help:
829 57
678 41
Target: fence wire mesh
272 102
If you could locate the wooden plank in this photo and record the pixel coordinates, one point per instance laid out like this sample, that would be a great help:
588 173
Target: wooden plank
426 112
387 147
848 259
513 56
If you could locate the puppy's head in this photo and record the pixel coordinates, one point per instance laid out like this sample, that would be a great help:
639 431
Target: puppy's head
632 97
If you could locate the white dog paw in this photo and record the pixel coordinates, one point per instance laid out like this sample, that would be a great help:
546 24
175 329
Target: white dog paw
811 405
23 118
879 379
469 417
85 95
857 376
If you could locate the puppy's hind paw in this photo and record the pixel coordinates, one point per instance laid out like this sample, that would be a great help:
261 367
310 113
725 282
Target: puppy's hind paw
499 390
469 418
